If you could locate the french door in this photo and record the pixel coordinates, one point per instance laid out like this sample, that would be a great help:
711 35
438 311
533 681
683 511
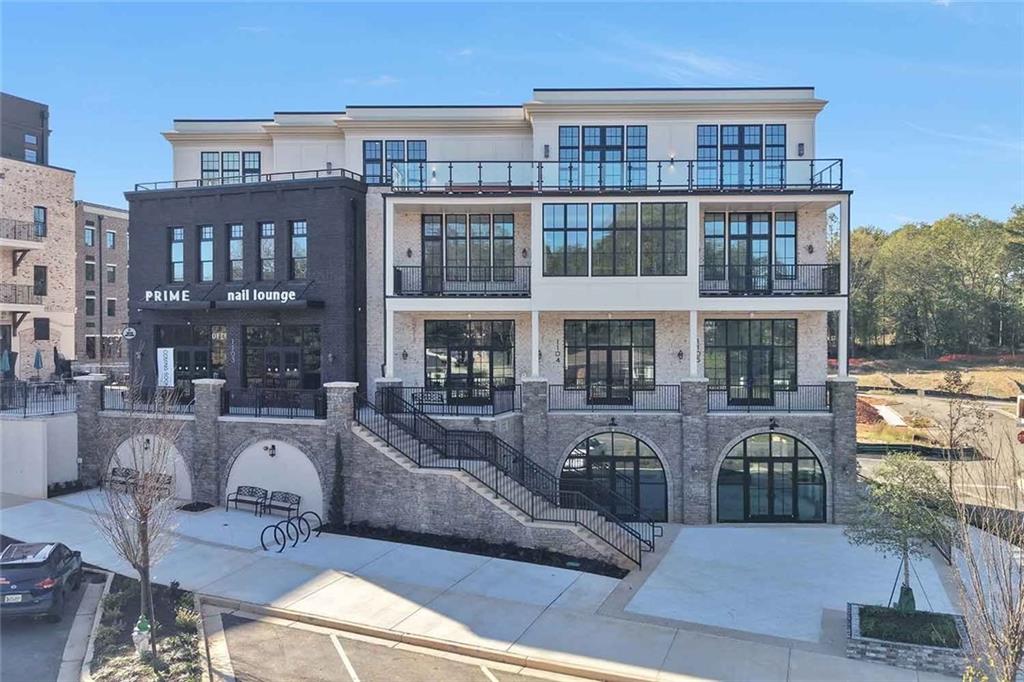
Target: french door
770 490
609 375
741 155
432 255
750 375
282 367
189 364
749 252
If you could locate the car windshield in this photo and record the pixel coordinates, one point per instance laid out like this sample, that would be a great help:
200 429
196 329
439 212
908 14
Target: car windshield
23 554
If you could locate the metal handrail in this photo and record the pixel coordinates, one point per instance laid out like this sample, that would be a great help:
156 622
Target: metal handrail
22 230
648 398
233 180
30 399
462 280
19 294
801 279
289 403
801 398
455 400
424 441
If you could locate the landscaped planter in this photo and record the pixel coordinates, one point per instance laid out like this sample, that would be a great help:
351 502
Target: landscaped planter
938 659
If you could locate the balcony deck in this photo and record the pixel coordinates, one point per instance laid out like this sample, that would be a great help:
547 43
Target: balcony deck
463 281
820 279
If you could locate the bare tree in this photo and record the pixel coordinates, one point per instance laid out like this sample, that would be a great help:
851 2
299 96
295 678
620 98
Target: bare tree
989 559
961 423
136 515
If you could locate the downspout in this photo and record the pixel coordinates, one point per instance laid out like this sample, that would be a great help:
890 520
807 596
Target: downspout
384 280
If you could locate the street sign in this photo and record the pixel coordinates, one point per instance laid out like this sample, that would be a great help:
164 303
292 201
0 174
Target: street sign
128 333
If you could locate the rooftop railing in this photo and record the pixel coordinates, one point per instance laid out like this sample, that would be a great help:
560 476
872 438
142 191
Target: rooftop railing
677 175
246 179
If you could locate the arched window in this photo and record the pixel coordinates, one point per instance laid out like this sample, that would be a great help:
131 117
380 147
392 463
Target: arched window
620 472
771 477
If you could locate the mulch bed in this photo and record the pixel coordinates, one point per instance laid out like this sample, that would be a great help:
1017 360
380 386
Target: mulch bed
195 506
866 413
918 627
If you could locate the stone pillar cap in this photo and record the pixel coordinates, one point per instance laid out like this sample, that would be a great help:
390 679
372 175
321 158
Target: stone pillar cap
841 380
209 382
388 380
92 377
534 380
342 384
693 380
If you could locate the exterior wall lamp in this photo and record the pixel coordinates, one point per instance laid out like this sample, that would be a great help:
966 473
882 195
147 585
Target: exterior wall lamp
773 424
525 253
612 424
681 355
270 450
800 149
405 354
146 443
408 253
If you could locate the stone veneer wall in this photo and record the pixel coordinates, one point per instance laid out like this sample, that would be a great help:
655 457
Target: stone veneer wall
914 656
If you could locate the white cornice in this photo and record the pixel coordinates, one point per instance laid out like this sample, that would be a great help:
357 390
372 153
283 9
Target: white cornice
216 136
452 126
675 109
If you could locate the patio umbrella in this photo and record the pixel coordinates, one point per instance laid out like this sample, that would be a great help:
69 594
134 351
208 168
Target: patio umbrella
37 361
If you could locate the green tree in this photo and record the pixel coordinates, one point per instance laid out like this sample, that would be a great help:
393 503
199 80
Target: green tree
866 285
905 508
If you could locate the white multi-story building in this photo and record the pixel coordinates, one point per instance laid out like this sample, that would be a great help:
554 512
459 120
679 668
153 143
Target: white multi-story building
631 286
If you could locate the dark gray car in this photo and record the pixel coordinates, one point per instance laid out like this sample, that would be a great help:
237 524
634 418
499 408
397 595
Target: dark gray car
35 577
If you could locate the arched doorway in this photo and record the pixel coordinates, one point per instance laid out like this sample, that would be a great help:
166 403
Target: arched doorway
277 465
771 477
619 471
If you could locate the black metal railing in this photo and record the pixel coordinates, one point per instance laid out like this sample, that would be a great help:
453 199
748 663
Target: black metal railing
228 180
596 398
285 403
618 176
22 230
19 294
156 399
460 402
803 398
821 279
504 470
471 280
34 399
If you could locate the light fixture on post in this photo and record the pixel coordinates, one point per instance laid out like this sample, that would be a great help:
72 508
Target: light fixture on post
270 450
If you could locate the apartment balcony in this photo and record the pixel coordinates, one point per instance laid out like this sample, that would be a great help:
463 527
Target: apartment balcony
454 401
672 175
21 234
248 178
463 281
19 297
770 280
613 398
754 398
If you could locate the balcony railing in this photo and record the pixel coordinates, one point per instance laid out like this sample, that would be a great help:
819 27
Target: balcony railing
32 399
804 398
770 280
617 176
22 230
19 294
284 403
462 280
156 399
457 402
231 180
595 398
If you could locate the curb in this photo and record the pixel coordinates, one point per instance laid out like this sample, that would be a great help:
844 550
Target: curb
90 650
472 651
204 647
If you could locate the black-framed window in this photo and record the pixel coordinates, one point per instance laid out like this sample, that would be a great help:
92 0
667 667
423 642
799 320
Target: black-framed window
200 351
469 357
90 303
602 156
714 246
31 155
251 162
416 155
39 219
456 247
205 253
231 166
663 238
266 270
785 245
568 156
236 252
176 254
565 228
741 155
775 154
751 358
299 252
111 240
89 234
111 307
636 156
394 152
373 162
504 247
39 280
614 251
707 155
209 165
282 356
41 328
480 246
771 477
90 268
619 462
615 356
111 274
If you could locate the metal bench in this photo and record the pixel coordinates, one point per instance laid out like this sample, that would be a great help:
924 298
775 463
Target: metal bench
122 477
164 483
284 502
248 494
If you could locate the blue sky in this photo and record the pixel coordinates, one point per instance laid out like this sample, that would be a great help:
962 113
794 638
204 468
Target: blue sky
926 99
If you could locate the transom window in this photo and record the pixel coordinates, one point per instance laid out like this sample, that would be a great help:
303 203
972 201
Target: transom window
771 477
609 358
621 473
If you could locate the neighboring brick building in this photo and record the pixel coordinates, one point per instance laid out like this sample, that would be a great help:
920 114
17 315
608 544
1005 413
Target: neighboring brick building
24 129
102 283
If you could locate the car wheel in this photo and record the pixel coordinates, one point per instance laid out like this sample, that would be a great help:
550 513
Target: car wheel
57 612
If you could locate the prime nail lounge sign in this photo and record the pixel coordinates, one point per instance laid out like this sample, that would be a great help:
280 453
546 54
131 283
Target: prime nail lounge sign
222 297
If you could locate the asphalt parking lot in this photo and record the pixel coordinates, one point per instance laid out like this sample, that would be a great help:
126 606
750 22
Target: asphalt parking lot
31 648
276 653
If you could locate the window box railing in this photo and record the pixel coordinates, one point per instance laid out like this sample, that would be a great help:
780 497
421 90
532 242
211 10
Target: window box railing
676 175
21 230
455 401
19 294
232 180
770 280
32 399
804 398
283 403
156 399
654 398
472 280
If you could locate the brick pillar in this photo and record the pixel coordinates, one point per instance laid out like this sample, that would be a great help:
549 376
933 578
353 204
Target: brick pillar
340 417
92 459
206 454
535 418
844 447
379 391
698 463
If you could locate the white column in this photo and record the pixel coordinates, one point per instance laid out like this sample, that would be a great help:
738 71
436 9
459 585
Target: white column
843 338
694 229
389 340
844 244
694 341
389 252
534 343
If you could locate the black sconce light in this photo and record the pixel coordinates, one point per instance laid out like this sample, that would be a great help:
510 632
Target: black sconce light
405 355
525 253
612 424
547 151
810 248
408 253
800 149
146 443
773 424
270 450
681 355
433 173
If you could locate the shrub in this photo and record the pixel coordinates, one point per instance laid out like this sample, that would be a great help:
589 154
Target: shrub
186 619
918 627
115 601
106 637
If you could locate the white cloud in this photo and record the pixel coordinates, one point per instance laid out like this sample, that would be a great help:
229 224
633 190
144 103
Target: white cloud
678 65
1011 143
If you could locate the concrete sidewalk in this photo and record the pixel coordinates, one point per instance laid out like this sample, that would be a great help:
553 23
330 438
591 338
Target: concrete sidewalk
492 605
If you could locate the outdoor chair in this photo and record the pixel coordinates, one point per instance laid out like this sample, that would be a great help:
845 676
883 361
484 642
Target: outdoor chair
122 477
248 494
284 502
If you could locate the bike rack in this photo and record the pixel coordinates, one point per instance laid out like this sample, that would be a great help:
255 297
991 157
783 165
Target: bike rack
293 528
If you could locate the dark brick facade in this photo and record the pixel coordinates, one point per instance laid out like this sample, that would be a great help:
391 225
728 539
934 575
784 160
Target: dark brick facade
332 295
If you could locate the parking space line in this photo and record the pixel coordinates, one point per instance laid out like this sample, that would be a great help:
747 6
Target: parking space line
488 674
344 659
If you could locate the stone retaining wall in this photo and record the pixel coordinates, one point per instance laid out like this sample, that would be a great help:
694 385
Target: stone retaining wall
914 656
